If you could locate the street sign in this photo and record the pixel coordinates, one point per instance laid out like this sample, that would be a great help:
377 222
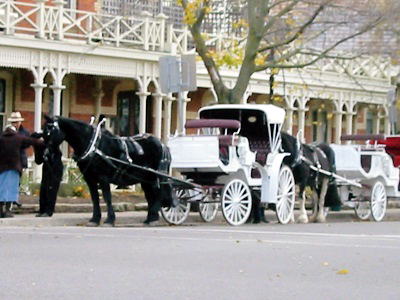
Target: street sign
177 74
188 67
170 80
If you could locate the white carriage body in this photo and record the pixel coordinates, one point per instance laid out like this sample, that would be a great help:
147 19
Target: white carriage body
200 153
365 165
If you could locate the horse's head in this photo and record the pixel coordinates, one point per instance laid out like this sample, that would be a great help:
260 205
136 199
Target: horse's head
52 134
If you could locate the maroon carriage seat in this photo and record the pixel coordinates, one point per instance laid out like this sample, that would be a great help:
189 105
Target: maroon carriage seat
262 148
225 140
392 147
212 123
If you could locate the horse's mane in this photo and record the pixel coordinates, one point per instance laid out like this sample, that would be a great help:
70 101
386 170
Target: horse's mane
81 123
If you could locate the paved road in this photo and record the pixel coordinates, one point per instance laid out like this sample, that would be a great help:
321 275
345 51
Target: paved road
202 262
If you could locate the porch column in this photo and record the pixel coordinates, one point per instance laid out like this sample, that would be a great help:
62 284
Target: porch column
167 118
58 73
158 114
57 90
349 125
302 116
39 72
289 120
377 123
99 94
142 113
182 103
387 126
38 105
338 126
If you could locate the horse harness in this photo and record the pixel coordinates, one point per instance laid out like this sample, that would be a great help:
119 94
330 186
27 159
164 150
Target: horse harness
313 165
125 160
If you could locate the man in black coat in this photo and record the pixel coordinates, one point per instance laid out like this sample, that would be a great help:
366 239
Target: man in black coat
52 173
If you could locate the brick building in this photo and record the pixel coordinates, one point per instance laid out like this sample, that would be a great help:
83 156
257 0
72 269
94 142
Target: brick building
80 58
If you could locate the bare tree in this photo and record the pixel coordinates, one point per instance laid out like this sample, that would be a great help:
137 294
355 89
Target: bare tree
272 34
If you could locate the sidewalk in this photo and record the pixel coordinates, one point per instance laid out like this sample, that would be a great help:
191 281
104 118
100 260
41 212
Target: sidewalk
135 218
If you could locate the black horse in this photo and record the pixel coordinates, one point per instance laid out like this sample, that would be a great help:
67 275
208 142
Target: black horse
104 158
323 186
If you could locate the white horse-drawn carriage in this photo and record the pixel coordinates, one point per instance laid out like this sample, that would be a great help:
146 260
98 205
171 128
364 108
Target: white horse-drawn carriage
231 154
367 175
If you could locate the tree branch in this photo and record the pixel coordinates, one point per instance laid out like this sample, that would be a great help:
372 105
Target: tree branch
297 34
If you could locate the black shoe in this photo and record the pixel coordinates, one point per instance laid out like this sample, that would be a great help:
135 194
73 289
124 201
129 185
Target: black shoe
19 205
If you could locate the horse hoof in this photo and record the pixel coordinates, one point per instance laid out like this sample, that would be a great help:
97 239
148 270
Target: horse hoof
302 219
108 224
321 220
92 224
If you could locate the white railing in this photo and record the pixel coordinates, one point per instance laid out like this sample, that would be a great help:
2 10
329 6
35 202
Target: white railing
58 23
144 32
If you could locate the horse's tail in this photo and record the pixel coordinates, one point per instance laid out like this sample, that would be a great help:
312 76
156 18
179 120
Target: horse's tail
165 186
332 198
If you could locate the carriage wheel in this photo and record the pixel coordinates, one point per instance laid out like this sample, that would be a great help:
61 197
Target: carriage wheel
236 202
378 201
363 210
176 215
208 211
285 196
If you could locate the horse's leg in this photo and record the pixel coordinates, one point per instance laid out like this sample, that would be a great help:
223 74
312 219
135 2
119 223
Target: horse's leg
303 213
313 217
153 203
105 187
96 217
321 201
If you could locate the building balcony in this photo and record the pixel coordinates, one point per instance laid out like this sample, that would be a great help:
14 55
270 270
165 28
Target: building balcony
54 22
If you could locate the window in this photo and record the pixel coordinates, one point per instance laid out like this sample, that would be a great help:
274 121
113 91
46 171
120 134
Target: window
370 123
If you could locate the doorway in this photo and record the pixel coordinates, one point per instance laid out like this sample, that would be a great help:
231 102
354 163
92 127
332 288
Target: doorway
128 109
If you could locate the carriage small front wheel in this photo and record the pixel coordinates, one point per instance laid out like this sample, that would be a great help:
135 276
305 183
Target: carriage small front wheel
178 213
378 201
363 210
236 202
208 210
285 195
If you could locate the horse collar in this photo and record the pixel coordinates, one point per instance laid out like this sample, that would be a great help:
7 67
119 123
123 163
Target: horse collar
91 147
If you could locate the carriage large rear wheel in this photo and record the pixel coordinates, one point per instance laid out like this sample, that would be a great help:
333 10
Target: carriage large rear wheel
236 202
177 214
378 201
285 196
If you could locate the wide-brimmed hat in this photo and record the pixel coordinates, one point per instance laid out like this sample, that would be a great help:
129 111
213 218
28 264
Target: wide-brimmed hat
15 117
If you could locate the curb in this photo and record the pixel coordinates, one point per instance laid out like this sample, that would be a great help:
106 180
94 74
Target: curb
135 218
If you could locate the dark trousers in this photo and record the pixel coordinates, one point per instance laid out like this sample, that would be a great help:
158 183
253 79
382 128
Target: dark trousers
51 179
